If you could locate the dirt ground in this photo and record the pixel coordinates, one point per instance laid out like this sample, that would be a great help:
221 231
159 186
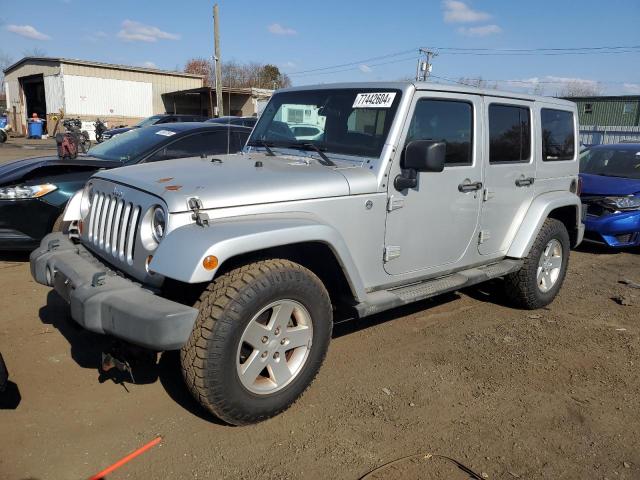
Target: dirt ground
511 394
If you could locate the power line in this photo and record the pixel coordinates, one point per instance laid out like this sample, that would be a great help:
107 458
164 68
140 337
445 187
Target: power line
601 50
538 49
355 68
371 59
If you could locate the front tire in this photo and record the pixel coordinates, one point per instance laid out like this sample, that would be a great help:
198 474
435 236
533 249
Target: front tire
260 338
538 282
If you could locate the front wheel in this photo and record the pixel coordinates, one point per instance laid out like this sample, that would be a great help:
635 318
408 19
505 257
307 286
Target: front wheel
259 340
85 142
544 269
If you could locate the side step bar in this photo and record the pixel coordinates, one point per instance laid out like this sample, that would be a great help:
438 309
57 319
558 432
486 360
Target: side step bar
395 297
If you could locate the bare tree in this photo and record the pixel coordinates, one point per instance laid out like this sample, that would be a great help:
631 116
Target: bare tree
5 61
240 75
578 88
34 52
201 66
538 89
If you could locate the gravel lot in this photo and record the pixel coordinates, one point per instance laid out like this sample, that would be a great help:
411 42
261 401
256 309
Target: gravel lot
512 394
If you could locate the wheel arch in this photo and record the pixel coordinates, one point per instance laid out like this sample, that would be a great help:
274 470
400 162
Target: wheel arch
562 206
315 246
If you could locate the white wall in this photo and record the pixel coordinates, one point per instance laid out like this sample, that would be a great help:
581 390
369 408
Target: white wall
53 93
100 96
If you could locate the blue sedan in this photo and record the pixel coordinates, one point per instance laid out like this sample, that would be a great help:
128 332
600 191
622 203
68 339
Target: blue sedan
611 194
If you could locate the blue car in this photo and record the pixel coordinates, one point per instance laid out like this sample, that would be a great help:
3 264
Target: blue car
611 194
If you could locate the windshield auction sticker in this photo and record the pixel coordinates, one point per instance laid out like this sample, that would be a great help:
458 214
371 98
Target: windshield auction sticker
374 100
166 133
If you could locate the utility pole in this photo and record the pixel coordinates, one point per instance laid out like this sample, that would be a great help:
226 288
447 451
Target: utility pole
216 59
424 66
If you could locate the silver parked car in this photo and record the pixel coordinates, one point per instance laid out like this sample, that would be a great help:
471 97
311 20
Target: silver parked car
409 190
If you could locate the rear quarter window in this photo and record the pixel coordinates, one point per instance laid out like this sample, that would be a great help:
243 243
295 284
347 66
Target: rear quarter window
558 135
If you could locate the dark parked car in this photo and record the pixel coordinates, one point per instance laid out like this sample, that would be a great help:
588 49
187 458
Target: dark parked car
611 194
34 191
154 120
244 121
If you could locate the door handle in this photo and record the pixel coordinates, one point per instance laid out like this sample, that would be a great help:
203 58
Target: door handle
468 186
524 182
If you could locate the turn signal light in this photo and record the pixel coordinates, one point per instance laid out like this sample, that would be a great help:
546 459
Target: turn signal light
210 262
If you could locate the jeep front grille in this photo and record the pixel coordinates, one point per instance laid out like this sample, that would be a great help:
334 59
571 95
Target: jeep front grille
113 223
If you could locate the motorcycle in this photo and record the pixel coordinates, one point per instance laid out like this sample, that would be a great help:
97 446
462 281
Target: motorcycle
100 128
73 127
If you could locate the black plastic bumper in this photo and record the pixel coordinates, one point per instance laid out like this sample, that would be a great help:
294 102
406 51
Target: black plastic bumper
104 302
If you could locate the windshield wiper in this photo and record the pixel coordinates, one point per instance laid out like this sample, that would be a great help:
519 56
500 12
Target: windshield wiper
326 161
262 143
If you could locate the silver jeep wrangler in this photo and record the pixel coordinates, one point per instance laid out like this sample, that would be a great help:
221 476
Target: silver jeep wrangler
402 191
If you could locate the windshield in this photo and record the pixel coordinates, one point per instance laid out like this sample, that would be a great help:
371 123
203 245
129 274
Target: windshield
129 146
345 121
611 162
148 121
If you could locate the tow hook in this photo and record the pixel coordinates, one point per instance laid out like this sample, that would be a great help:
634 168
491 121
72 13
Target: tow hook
123 358
109 362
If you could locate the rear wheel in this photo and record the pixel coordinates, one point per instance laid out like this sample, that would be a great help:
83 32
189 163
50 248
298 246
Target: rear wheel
259 341
544 269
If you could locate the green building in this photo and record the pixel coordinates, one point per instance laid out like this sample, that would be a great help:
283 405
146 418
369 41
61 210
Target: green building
614 111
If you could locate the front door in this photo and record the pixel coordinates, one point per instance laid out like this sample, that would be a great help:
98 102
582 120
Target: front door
430 227
509 172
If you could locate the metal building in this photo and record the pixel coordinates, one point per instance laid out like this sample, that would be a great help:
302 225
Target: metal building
609 119
119 94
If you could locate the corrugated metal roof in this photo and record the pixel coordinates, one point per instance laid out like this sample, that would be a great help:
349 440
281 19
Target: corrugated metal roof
89 63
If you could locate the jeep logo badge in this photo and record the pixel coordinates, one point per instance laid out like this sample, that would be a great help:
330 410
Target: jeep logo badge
117 193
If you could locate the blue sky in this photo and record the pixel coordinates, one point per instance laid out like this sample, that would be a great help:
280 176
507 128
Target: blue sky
299 36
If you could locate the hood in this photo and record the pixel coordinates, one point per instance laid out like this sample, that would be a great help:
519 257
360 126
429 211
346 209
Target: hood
235 180
15 172
601 185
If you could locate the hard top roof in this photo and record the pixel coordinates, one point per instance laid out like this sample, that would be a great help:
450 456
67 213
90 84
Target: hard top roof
435 87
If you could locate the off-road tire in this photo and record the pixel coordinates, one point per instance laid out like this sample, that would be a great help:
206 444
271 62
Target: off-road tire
521 287
226 307
58 225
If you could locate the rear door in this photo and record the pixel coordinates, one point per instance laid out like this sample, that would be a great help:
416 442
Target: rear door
509 172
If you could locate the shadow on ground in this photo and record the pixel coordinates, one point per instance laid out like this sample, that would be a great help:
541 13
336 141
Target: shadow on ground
87 348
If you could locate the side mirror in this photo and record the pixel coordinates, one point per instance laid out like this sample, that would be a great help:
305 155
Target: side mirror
425 156
420 156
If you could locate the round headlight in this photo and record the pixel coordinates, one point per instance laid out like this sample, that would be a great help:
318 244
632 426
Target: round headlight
85 200
158 224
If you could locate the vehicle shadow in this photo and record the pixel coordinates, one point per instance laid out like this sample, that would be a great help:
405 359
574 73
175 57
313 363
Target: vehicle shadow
10 398
351 325
87 348
17 256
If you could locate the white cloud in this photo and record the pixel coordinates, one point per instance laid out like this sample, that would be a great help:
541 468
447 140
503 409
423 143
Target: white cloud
139 32
278 29
149 64
633 88
459 12
365 68
481 31
27 31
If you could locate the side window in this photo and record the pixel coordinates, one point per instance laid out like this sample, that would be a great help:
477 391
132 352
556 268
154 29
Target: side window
509 133
558 136
208 143
242 138
449 121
